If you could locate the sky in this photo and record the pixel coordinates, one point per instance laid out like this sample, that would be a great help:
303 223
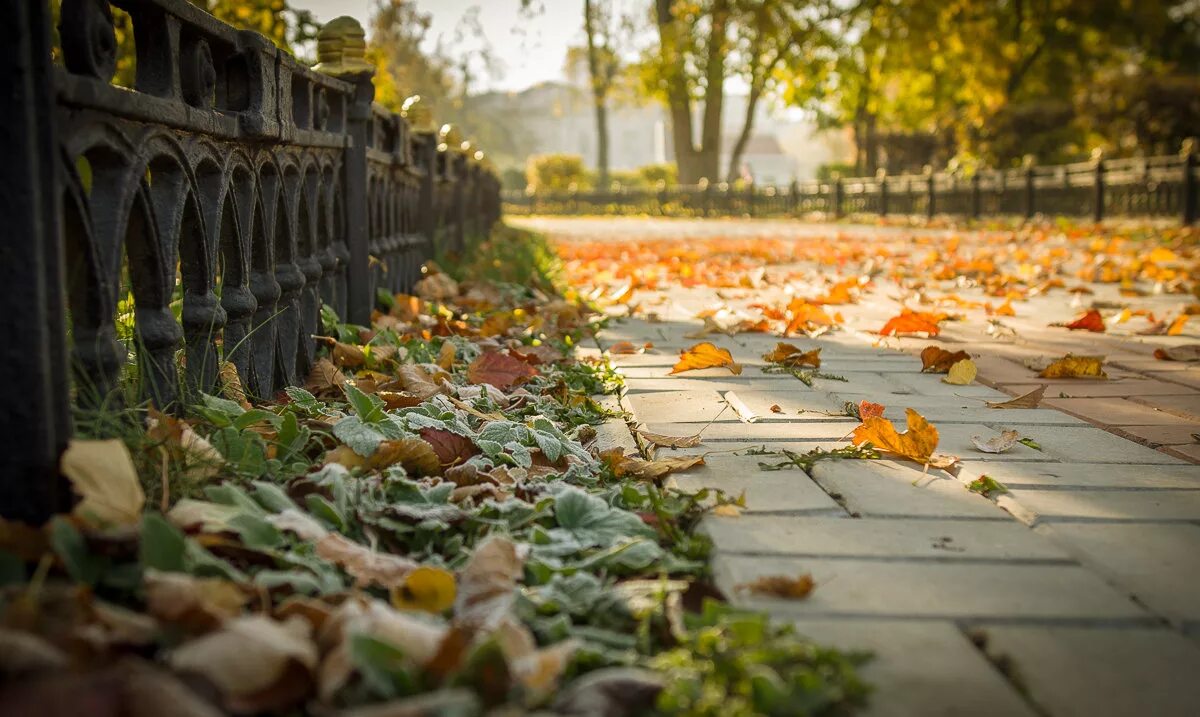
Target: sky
529 50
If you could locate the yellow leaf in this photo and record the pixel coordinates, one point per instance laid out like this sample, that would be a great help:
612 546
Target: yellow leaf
793 356
426 588
727 511
102 473
705 355
961 373
1075 367
917 443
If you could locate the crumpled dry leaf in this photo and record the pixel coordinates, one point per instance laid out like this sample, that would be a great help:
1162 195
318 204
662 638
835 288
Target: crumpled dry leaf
996 444
630 466
935 359
416 455
624 348
866 410
961 373
1075 367
610 692
1187 352
806 317
780 586
194 456
793 356
538 670
1029 400
487 583
418 382
500 370
193 604
662 441
705 355
231 384
436 287
363 564
102 474
917 443
325 380
258 664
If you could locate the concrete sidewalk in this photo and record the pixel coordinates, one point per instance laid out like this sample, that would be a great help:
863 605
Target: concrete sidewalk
1076 592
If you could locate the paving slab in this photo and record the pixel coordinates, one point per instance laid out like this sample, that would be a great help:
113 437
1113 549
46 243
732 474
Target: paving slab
1082 388
947 590
787 491
927 668
1048 474
1180 402
1159 564
1116 411
888 488
1089 672
680 406
887 539
1039 506
829 429
1087 444
928 384
793 405
1180 433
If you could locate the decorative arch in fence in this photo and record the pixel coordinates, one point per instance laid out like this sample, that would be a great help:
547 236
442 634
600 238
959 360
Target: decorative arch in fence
232 185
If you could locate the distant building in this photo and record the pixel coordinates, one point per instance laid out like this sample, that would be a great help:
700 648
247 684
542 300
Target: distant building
558 118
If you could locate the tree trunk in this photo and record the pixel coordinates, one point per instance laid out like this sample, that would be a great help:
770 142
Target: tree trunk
600 83
739 147
679 104
714 91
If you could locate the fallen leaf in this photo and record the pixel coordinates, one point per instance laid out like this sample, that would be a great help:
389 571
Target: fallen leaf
1188 352
997 444
866 410
1029 400
1090 321
363 564
348 355
488 582
418 382
961 373
705 355
231 384
793 356
1075 367
917 443
436 287
806 317
910 322
775 408
258 664
446 354
499 370
628 466
986 486
193 456
624 348
325 380
103 475
1176 327
194 604
659 439
416 455
935 359
426 588
780 586
727 511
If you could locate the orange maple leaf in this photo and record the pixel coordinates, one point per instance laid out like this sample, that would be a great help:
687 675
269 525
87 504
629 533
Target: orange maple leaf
917 443
911 322
866 410
705 355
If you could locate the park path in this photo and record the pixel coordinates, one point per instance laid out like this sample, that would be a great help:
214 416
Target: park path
1076 592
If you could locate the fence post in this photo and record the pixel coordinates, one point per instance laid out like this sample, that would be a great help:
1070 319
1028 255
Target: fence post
1191 197
976 194
35 425
1028 164
881 177
838 194
930 206
341 49
1098 186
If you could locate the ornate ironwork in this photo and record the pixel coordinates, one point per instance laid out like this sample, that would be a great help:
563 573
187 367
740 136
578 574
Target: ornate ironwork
204 216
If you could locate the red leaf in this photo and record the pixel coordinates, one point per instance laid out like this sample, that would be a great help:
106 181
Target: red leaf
451 448
500 370
1091 321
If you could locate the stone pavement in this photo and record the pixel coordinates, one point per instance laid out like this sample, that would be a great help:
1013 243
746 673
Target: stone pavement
1076 592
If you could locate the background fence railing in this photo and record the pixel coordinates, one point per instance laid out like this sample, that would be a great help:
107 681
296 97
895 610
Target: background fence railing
1160 187
202 216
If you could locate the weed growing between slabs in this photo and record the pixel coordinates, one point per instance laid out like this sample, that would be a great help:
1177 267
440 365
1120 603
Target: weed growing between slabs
429 523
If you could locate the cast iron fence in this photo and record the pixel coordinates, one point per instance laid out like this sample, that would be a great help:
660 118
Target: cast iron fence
232 191
1162 187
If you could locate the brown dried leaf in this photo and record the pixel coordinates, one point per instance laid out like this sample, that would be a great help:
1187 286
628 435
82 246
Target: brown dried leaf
1188 352
935 359
363 564
1029 400
780 586
996 444
193 604
659 439
325 380
415 454
793 356
1075 367
500 370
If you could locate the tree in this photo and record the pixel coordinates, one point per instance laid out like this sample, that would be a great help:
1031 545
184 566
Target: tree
602 64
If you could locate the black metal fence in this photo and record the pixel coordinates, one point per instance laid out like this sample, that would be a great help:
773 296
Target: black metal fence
1163 187
231 192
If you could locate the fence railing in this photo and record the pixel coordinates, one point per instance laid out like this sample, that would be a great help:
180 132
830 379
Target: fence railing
231 192
1163 187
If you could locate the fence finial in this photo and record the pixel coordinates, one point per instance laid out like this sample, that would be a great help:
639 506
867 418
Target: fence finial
418 114
342 48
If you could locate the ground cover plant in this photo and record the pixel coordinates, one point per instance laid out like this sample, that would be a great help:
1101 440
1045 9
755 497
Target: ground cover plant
434 524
